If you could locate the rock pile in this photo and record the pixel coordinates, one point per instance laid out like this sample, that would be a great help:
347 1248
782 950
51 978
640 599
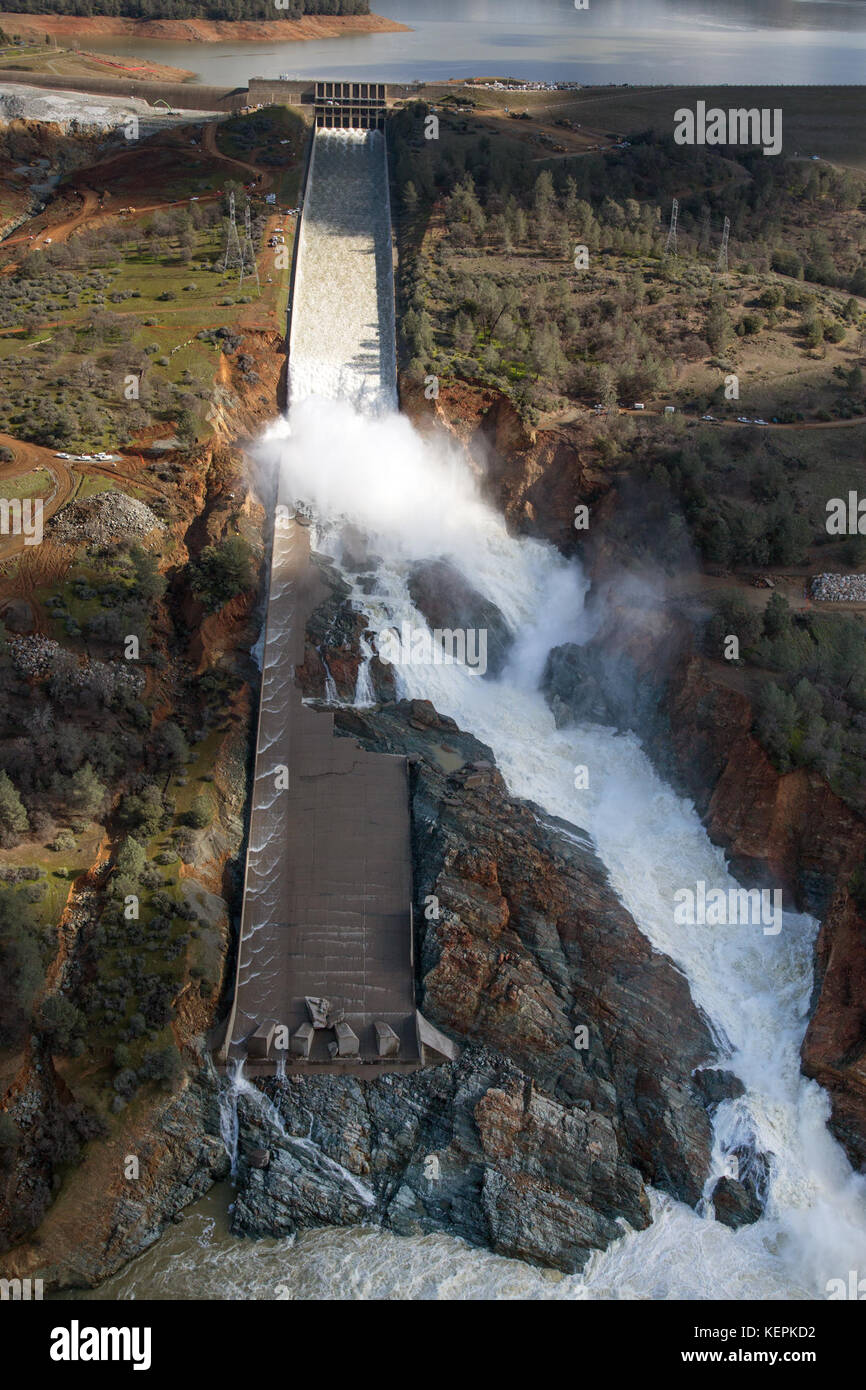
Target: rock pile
42 656
34 656
103 517
839 588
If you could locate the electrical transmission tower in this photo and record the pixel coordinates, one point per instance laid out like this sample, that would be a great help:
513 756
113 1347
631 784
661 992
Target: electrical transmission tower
671 243
248 254
722 262
234 255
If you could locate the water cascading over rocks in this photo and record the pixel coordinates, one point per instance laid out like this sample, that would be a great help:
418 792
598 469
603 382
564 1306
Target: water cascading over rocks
527 1143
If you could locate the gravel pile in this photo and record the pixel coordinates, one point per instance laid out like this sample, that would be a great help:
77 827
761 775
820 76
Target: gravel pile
104 517
839 588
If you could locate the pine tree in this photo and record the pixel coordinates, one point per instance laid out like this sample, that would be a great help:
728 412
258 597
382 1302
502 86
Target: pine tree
13 817
87 793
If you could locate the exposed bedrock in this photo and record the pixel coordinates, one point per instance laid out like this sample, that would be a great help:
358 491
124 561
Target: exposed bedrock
528 1144
535 477
642 671
448 602
333 645
332 641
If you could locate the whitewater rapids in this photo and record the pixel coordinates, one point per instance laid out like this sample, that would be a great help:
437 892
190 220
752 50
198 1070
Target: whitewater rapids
418 498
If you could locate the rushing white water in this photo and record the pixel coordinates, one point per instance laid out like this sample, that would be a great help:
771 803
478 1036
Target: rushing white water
342 342
365 696
330 686
234 1085
417 498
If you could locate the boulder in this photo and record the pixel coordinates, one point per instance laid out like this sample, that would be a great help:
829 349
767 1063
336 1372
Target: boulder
735 1203
448 601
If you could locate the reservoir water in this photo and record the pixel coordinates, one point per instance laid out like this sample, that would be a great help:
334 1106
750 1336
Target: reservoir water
636 41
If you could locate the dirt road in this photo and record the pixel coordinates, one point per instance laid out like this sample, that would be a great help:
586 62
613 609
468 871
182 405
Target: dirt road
29 457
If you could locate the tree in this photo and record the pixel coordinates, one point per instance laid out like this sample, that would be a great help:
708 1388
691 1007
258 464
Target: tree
545 195
772 297
163 1065
222 572
86 792
13 817
10 1137
143 812
715 539
813 331
777 617
186 427
63 1024
149 583
418 332
170 746
776 723
789 537
21 970
606 386
131 859
717 327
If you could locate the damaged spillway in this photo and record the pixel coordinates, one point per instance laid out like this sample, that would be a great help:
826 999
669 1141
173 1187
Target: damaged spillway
325 975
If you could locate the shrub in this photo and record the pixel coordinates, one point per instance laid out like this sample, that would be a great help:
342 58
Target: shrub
200 813
63 1024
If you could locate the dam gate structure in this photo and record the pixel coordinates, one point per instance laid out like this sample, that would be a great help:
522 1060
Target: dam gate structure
351 105
333 105
325 973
